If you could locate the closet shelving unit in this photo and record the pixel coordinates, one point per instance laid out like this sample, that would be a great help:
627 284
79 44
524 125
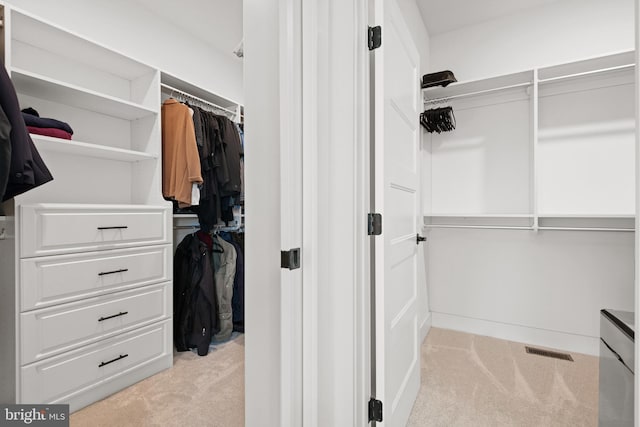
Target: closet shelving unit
89 252
551 148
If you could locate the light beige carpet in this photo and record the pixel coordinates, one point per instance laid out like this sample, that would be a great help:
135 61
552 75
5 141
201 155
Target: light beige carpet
196 391
470 380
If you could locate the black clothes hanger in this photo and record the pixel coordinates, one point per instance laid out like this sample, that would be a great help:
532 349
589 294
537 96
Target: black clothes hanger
438 120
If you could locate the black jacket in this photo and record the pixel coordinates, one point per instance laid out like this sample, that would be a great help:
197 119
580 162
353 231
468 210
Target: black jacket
27 169
194 296
5 153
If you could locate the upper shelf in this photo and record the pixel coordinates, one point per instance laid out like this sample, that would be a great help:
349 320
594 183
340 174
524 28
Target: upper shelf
478 87
49 37
77 148
595 66
198 92
587 67
53 90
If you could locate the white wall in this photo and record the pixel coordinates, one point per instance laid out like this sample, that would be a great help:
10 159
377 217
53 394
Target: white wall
544 288
134 31
560 32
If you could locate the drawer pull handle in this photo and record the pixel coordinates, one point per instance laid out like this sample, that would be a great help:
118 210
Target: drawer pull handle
122 313
122 356
118 227
104 273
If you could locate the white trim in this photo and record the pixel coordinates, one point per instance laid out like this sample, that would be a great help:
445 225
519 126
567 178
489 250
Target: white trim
291 210
362 203
637 236
425 327
534 336
310 229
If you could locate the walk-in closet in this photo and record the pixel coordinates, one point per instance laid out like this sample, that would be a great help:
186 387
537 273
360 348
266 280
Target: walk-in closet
424 211
113 275
527 172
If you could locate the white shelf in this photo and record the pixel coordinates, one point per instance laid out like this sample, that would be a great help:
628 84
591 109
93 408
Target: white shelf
477 215
479 87
509 221
614 222
587 67
198 92
77 148
39 86
563 221
49 37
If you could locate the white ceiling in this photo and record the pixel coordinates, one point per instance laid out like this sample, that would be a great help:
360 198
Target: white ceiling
441 16
216 22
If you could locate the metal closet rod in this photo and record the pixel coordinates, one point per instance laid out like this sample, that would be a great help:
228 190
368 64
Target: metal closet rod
204 101
478 92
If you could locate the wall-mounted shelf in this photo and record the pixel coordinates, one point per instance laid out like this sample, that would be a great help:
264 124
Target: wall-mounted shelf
517 221
566 222
565 146
77 148
44 87
479 87
588 67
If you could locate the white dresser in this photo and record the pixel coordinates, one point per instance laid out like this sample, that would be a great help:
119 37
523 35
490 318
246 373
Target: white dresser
85 260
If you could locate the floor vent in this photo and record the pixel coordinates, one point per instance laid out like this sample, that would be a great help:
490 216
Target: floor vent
547 353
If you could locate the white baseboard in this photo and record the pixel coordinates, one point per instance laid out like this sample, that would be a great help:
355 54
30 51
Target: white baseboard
425 327
538 337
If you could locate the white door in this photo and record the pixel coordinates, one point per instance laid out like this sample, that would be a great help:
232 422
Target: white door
396 140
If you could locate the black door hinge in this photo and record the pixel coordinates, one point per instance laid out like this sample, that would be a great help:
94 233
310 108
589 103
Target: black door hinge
375 410
419 239
375 37
375 224
290 259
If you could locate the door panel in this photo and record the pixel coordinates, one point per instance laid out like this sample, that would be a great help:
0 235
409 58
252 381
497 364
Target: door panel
397 172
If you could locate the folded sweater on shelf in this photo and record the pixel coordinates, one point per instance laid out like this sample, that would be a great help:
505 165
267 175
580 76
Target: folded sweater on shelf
54 132
32 118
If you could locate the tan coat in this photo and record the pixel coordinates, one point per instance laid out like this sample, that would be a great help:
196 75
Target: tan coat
180 159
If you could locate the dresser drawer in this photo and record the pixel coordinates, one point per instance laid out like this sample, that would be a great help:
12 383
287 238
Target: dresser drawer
61 378
52 330
48 229
65 278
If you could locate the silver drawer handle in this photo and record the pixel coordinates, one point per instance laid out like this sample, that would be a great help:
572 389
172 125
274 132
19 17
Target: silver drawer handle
104 273
122 313
122 356
118 227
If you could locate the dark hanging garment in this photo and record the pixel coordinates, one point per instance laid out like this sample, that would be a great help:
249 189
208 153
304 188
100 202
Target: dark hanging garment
27 169
5 152
232 153
237 303
194 303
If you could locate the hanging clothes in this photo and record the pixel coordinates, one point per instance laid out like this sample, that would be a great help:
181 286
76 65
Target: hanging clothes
237 302
27 169
195 318
180 158
224 265
220 151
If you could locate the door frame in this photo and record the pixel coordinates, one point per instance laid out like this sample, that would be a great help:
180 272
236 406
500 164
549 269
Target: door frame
272 83
336 322
330 380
